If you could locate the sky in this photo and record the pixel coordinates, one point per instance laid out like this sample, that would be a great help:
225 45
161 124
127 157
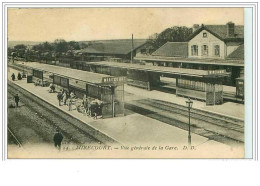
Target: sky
82 24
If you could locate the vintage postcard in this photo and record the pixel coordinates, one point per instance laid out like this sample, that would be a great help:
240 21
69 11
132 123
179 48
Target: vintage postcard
125 82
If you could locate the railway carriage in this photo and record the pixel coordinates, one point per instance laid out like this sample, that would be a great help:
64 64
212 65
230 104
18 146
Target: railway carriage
205 85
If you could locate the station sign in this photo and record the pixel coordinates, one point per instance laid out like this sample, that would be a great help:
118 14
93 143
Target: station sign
216 72
114 80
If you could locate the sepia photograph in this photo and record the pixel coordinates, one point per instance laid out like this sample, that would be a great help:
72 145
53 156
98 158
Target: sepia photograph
118 82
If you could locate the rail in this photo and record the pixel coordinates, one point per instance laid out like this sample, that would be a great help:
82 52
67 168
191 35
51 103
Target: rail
17 141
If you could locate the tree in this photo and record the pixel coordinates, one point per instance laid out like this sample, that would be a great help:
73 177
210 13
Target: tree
173 34
73 45
60 46
20 47
47 47
20 50
10 51
83 45
38 48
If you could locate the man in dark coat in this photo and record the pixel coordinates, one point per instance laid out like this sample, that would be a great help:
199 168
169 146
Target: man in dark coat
13 77
16 99
59 96
58 137
19 76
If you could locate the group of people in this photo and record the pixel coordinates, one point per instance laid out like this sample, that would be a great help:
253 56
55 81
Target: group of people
92 107
16 97
19 76
66 97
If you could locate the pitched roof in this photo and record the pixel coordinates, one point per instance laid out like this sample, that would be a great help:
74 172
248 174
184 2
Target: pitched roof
113 46
172 49
220 31
69 73
238 53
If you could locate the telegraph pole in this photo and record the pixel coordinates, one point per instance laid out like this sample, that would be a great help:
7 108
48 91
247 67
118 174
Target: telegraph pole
132 48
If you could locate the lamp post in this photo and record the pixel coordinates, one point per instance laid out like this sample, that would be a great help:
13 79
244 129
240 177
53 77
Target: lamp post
189 105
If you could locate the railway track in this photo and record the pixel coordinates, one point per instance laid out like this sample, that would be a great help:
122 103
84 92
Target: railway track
15 139
213 126
73 129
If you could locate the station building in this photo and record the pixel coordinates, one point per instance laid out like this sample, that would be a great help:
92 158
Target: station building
210 47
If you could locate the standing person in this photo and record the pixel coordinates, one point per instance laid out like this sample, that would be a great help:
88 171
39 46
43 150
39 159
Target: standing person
67 96
16 99
72 95
19 76
64 97
85 103
58 137
95 109
52 88
59 96
13 77
89 107
70 104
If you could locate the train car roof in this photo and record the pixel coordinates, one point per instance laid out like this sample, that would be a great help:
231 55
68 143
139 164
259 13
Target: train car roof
68 72
160 69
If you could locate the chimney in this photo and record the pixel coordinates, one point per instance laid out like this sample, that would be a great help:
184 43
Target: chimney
195 27
230 29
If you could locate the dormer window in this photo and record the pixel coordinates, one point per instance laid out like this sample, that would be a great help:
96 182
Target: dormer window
205 35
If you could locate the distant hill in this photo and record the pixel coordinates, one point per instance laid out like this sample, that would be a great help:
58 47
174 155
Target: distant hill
30 43
111 40
13 43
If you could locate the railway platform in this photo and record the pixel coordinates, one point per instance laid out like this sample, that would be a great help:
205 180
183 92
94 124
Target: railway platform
230 109
132 129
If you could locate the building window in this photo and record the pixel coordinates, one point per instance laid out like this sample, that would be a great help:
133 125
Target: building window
204 50
217 51
194 50
204 34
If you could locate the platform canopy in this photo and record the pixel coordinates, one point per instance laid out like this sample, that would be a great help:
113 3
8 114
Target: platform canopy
89 77
165 70
190 60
